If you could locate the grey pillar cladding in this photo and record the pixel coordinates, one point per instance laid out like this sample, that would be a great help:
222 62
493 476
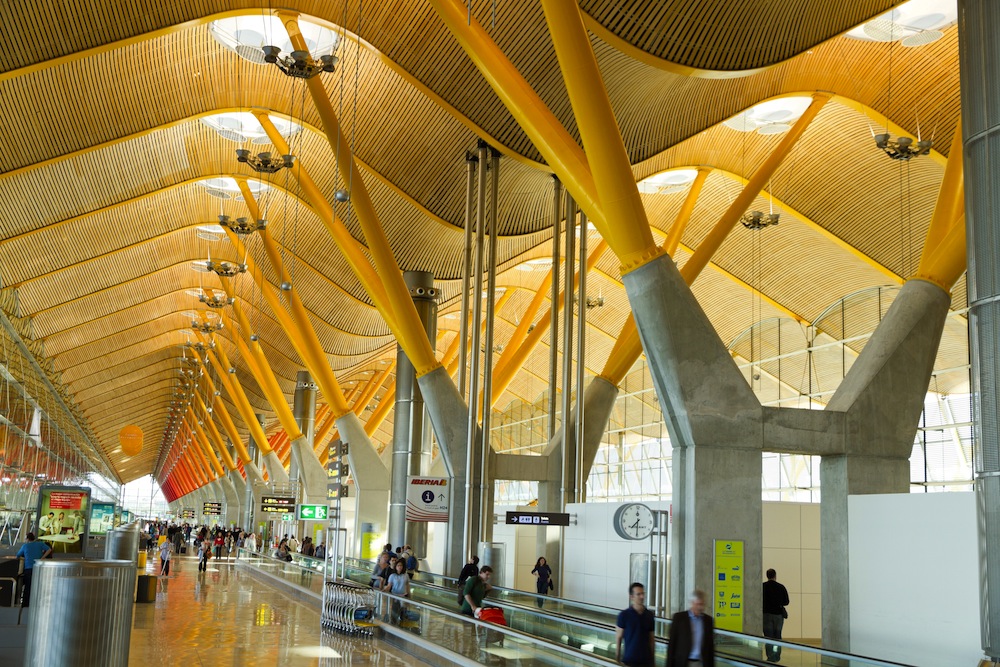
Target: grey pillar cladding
450 417
232 498
312 476
371 477
978 24
411 449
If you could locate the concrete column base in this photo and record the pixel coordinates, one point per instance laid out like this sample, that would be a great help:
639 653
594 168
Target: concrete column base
371 478
276 472
311 473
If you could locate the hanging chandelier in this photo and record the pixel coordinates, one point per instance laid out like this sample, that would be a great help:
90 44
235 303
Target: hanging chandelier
299 64
757 220
902 148
242 226
220 268
216 299
206 327
264 163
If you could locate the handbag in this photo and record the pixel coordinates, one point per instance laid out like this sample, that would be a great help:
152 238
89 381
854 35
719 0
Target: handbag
784 613
551 585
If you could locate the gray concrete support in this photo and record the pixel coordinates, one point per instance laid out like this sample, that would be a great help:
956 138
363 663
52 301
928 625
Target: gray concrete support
980 68
240 488
233 505
276 473
311 475
371 477
713 418
882 397
449 416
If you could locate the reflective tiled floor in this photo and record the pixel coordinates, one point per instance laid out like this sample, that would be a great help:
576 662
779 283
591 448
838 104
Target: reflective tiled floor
223 617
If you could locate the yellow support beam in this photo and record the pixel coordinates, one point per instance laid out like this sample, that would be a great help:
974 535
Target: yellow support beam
944 255
216 437
202 440
297 326
676 232
219 408
199 455
238 396
409 331
713 241
372 389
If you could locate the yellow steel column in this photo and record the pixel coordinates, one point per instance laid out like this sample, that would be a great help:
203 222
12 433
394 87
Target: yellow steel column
196 448
298 328
219 408
410 332
676 232
370 391
202 440
382 411
513 359
708 246
605 150
213 431
944 255
235 391
559 149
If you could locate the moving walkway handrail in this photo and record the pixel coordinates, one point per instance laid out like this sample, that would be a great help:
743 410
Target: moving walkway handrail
742 640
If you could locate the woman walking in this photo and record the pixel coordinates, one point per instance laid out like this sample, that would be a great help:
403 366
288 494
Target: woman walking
543 579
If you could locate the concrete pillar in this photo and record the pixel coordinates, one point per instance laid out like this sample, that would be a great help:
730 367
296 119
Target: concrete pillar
240 488
882 397
713 418
449 415
980 68
311 475
232 513
371 478
411 448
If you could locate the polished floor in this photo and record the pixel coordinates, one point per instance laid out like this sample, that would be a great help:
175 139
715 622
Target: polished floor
223 617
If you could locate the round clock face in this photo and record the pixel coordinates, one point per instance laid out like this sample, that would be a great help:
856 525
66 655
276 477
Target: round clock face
634 521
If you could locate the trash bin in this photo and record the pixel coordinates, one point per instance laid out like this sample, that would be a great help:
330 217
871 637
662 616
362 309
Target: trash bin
146 591
81 613
141 565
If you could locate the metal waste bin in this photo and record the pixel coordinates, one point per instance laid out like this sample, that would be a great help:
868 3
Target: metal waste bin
81 613
122 543
146 590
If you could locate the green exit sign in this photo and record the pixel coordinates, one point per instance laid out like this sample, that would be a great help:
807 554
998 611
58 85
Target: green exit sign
312 512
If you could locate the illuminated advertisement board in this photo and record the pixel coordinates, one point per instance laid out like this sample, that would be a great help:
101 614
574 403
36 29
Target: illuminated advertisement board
63 518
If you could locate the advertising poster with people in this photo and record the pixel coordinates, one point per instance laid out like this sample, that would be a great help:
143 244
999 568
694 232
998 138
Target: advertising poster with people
63 513
102 518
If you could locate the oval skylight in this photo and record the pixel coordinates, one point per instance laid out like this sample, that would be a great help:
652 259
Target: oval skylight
246 35
668 182
229 185
913 23
241 126
770 117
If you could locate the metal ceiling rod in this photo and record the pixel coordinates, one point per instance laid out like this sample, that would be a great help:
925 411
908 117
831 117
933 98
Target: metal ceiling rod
557 196
486 488
473 462
12 332
581 346
463 331
569 431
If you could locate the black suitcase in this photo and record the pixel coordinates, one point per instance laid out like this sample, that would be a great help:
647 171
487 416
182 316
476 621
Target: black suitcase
184 550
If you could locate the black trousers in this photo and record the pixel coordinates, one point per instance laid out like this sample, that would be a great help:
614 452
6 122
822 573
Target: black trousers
26 589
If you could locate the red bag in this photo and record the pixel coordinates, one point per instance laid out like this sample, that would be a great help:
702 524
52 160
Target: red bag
493 615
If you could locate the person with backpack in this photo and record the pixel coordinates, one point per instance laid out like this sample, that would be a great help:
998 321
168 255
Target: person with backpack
412 564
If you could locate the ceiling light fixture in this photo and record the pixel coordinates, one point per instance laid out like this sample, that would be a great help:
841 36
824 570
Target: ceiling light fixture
668 182
299 64
771 117
223 269
902 148
242 226
264 163
757 220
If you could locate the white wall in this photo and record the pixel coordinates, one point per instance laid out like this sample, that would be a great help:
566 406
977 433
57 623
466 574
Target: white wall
597 560
791 547
914 578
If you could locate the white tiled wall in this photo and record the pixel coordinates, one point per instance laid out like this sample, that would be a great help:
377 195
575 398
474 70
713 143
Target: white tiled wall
791 546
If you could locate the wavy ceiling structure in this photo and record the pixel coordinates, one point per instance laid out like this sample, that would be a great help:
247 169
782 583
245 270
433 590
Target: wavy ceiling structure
106 153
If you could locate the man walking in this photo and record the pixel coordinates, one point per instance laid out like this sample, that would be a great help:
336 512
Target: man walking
692 640
775 600
635 629
31 551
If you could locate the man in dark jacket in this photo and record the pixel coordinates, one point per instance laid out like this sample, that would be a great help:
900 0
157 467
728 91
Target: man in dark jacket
775 600
692 636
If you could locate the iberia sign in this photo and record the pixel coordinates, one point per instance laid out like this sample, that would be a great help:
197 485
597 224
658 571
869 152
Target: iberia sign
427 499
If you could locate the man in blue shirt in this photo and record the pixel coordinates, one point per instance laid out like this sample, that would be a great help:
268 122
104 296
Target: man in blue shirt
635 629
31 551
692 639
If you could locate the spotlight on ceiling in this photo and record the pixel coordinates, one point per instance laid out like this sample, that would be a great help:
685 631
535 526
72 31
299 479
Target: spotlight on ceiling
902 148
299 64
264 163
757 220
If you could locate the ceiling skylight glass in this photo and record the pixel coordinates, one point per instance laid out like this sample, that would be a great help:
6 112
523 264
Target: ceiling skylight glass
771 117
913 23
668 182
246 35
241 126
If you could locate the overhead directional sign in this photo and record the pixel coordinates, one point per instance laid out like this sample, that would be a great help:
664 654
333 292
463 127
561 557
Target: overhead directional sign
277 504
212 509
538 518
312 513
187 513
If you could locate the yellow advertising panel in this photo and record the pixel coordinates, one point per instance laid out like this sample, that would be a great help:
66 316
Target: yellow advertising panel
727 598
